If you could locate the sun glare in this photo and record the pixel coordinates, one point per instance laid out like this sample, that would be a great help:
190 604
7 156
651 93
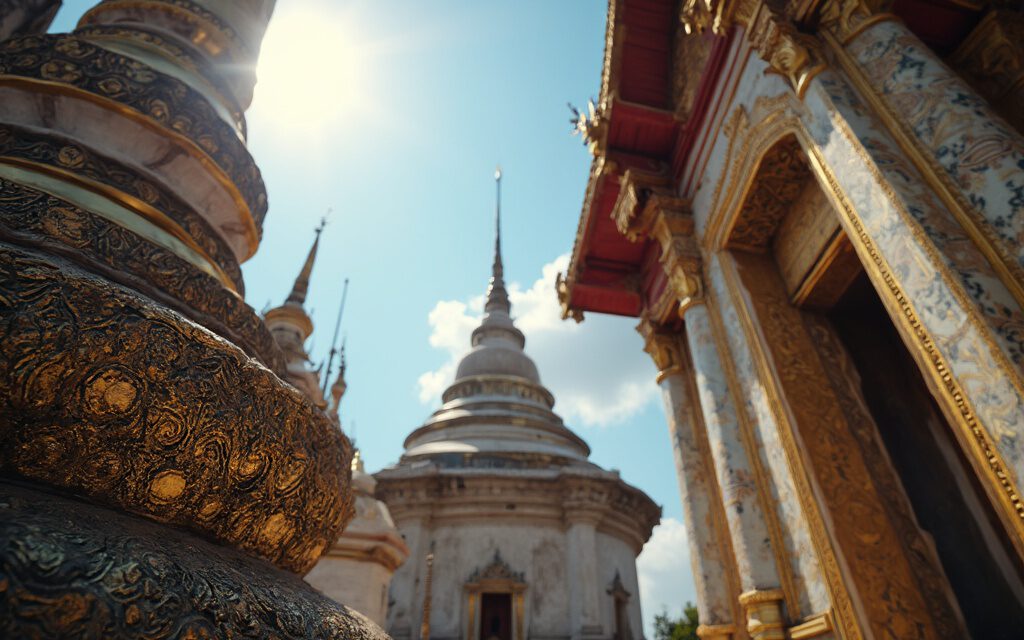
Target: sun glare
311 73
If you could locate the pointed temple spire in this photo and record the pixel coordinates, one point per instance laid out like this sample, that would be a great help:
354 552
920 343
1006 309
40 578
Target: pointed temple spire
497 296
301 286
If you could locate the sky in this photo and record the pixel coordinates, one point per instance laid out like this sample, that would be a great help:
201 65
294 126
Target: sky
393 114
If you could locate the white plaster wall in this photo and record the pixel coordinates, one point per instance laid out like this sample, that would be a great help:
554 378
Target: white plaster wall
360 585
615 555
406 598
537 551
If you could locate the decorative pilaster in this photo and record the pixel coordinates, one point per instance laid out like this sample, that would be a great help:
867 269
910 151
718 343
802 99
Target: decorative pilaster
706 530
966 153
584 590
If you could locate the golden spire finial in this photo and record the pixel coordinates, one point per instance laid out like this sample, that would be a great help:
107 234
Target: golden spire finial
301 286
497 296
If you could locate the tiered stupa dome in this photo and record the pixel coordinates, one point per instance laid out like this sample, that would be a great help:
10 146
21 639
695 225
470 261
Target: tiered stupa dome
512 531
497 404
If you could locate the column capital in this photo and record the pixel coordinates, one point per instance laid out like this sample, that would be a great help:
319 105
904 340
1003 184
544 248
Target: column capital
680 257
846 19
794 55
663 347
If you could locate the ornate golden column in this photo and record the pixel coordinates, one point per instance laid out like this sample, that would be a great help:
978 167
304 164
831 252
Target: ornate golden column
157 476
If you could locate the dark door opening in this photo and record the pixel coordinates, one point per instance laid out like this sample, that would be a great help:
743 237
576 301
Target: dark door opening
950 505
496 616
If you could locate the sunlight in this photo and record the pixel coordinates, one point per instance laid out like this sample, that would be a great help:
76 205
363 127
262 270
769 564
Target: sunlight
312 69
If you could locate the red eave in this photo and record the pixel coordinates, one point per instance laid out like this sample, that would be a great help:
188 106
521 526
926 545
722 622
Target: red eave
643 133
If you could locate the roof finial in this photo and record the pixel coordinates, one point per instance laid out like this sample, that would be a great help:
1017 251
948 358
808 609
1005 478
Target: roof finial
497 297
301 286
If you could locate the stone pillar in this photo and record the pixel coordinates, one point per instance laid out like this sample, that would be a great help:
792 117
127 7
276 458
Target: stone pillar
584 590
759 579
711 558
970 157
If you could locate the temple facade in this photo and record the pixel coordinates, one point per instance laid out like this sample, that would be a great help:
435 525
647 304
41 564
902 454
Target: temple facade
513 533
815 211
168 466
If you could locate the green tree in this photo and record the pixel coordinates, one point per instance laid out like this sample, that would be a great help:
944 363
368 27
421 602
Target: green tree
684 628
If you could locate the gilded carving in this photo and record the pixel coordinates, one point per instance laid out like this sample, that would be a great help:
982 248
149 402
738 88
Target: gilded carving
663 347
672 227
795 56
991 59
877 561
780 178
170 103
88 572
643 196
918 552
183 56
109 396
37 219
591 126
563 288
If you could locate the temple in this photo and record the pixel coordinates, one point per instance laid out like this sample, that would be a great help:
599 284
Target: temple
814 210
513 533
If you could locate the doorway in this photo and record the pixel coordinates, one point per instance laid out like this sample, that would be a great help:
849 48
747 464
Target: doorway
496 616
950 506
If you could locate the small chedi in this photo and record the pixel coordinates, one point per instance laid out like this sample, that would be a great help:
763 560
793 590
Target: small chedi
513 532
162 472
357 569
815 210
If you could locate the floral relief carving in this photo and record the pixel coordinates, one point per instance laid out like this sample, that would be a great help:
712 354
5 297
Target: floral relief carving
876 558
777 184
33 217
109 396
919 553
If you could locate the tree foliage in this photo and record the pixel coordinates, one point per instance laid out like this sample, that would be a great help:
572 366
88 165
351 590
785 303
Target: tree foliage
685 628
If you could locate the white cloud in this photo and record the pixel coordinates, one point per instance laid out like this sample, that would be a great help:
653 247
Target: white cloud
664 573
596 370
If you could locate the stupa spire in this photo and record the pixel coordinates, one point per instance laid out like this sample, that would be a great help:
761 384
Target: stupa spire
301 286
497 296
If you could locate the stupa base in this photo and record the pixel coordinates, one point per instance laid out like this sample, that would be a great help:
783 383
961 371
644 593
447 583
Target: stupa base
69 569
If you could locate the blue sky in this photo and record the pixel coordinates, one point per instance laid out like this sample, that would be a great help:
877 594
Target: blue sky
394 114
